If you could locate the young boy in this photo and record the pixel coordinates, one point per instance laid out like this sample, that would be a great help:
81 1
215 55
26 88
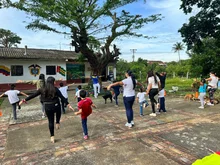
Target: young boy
85 109
63 90
13 99
161 101
77 93
141 100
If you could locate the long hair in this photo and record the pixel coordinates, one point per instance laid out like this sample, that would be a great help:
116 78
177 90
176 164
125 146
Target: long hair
129 72
42 79
150 74
49 88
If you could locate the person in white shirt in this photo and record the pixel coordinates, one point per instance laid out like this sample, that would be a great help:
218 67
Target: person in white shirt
152 89
129 85
212 86
63 90
161 101
141 100
77 95
13 99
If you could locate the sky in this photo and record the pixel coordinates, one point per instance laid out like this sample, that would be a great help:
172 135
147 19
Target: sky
159 48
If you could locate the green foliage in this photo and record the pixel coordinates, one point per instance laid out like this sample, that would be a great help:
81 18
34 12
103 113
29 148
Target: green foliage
8 38
84 21
203 24
1 100
207 58
177 47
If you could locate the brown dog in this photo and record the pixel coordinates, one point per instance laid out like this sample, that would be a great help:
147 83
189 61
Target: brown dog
189 97
207 100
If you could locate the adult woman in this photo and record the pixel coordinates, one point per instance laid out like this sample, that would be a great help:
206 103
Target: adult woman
212 86
152 89
129 85
50 98
40 83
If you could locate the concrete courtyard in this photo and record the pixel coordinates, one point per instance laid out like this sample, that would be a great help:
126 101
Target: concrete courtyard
180 136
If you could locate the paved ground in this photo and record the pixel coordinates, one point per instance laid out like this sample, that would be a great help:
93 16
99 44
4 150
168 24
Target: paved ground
182 135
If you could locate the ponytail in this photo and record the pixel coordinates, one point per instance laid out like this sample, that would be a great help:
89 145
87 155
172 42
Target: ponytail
132 77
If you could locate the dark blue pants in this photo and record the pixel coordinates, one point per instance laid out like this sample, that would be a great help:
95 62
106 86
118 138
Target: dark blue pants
161 101
128 102
63 105
116 98
84 125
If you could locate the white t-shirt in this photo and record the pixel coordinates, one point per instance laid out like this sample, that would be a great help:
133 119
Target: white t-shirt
77 93
161 93
12 96
128 87
63 90
152 81
213 82
141 96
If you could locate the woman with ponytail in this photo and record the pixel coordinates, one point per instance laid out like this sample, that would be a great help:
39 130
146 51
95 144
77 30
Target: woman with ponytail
50 98
129 85
152 89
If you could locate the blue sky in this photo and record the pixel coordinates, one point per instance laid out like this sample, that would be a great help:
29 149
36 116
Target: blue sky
160 48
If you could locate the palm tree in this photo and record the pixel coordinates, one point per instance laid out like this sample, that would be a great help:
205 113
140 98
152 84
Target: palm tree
177 47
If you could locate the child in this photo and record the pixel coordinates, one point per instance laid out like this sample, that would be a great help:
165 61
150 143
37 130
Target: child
202 92
63 90
116 93
77 93
142 100
13 99
161 101
84 107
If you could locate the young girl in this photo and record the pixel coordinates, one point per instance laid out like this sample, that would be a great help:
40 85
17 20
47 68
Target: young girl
141 100
202 92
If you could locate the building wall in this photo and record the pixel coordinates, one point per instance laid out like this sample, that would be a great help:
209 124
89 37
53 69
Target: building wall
26 71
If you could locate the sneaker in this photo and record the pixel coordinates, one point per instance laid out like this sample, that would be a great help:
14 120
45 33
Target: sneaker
128 125
141 115
43 116
210 104
201 107
116 105
86 137
158 113
153 114
132 123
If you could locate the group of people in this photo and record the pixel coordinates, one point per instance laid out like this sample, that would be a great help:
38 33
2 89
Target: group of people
50 97
211 87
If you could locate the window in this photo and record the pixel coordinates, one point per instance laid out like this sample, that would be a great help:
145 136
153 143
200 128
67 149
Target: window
16 70
51 70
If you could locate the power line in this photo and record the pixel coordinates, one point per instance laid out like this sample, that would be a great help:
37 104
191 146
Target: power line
133 51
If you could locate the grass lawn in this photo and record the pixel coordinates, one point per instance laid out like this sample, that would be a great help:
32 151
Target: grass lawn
1 100
183 84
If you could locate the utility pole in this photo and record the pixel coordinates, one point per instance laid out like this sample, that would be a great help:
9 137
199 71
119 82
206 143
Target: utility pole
133 51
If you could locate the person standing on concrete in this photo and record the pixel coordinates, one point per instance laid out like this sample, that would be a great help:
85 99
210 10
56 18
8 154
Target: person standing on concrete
63 89
129 85
212 86
50 98
13 100
152 90
161 94
85 109
116 93
40 83
96 85
77 93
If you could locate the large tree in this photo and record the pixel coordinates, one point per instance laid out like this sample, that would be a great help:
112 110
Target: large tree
91 35
177 47
8 38
205 23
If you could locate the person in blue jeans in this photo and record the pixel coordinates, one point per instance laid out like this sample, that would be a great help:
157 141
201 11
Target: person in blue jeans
116 93
129 85
141 100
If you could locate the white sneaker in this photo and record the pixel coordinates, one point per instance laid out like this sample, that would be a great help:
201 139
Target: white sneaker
153 114
128 125
210 104
201 107
158 113
132 123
